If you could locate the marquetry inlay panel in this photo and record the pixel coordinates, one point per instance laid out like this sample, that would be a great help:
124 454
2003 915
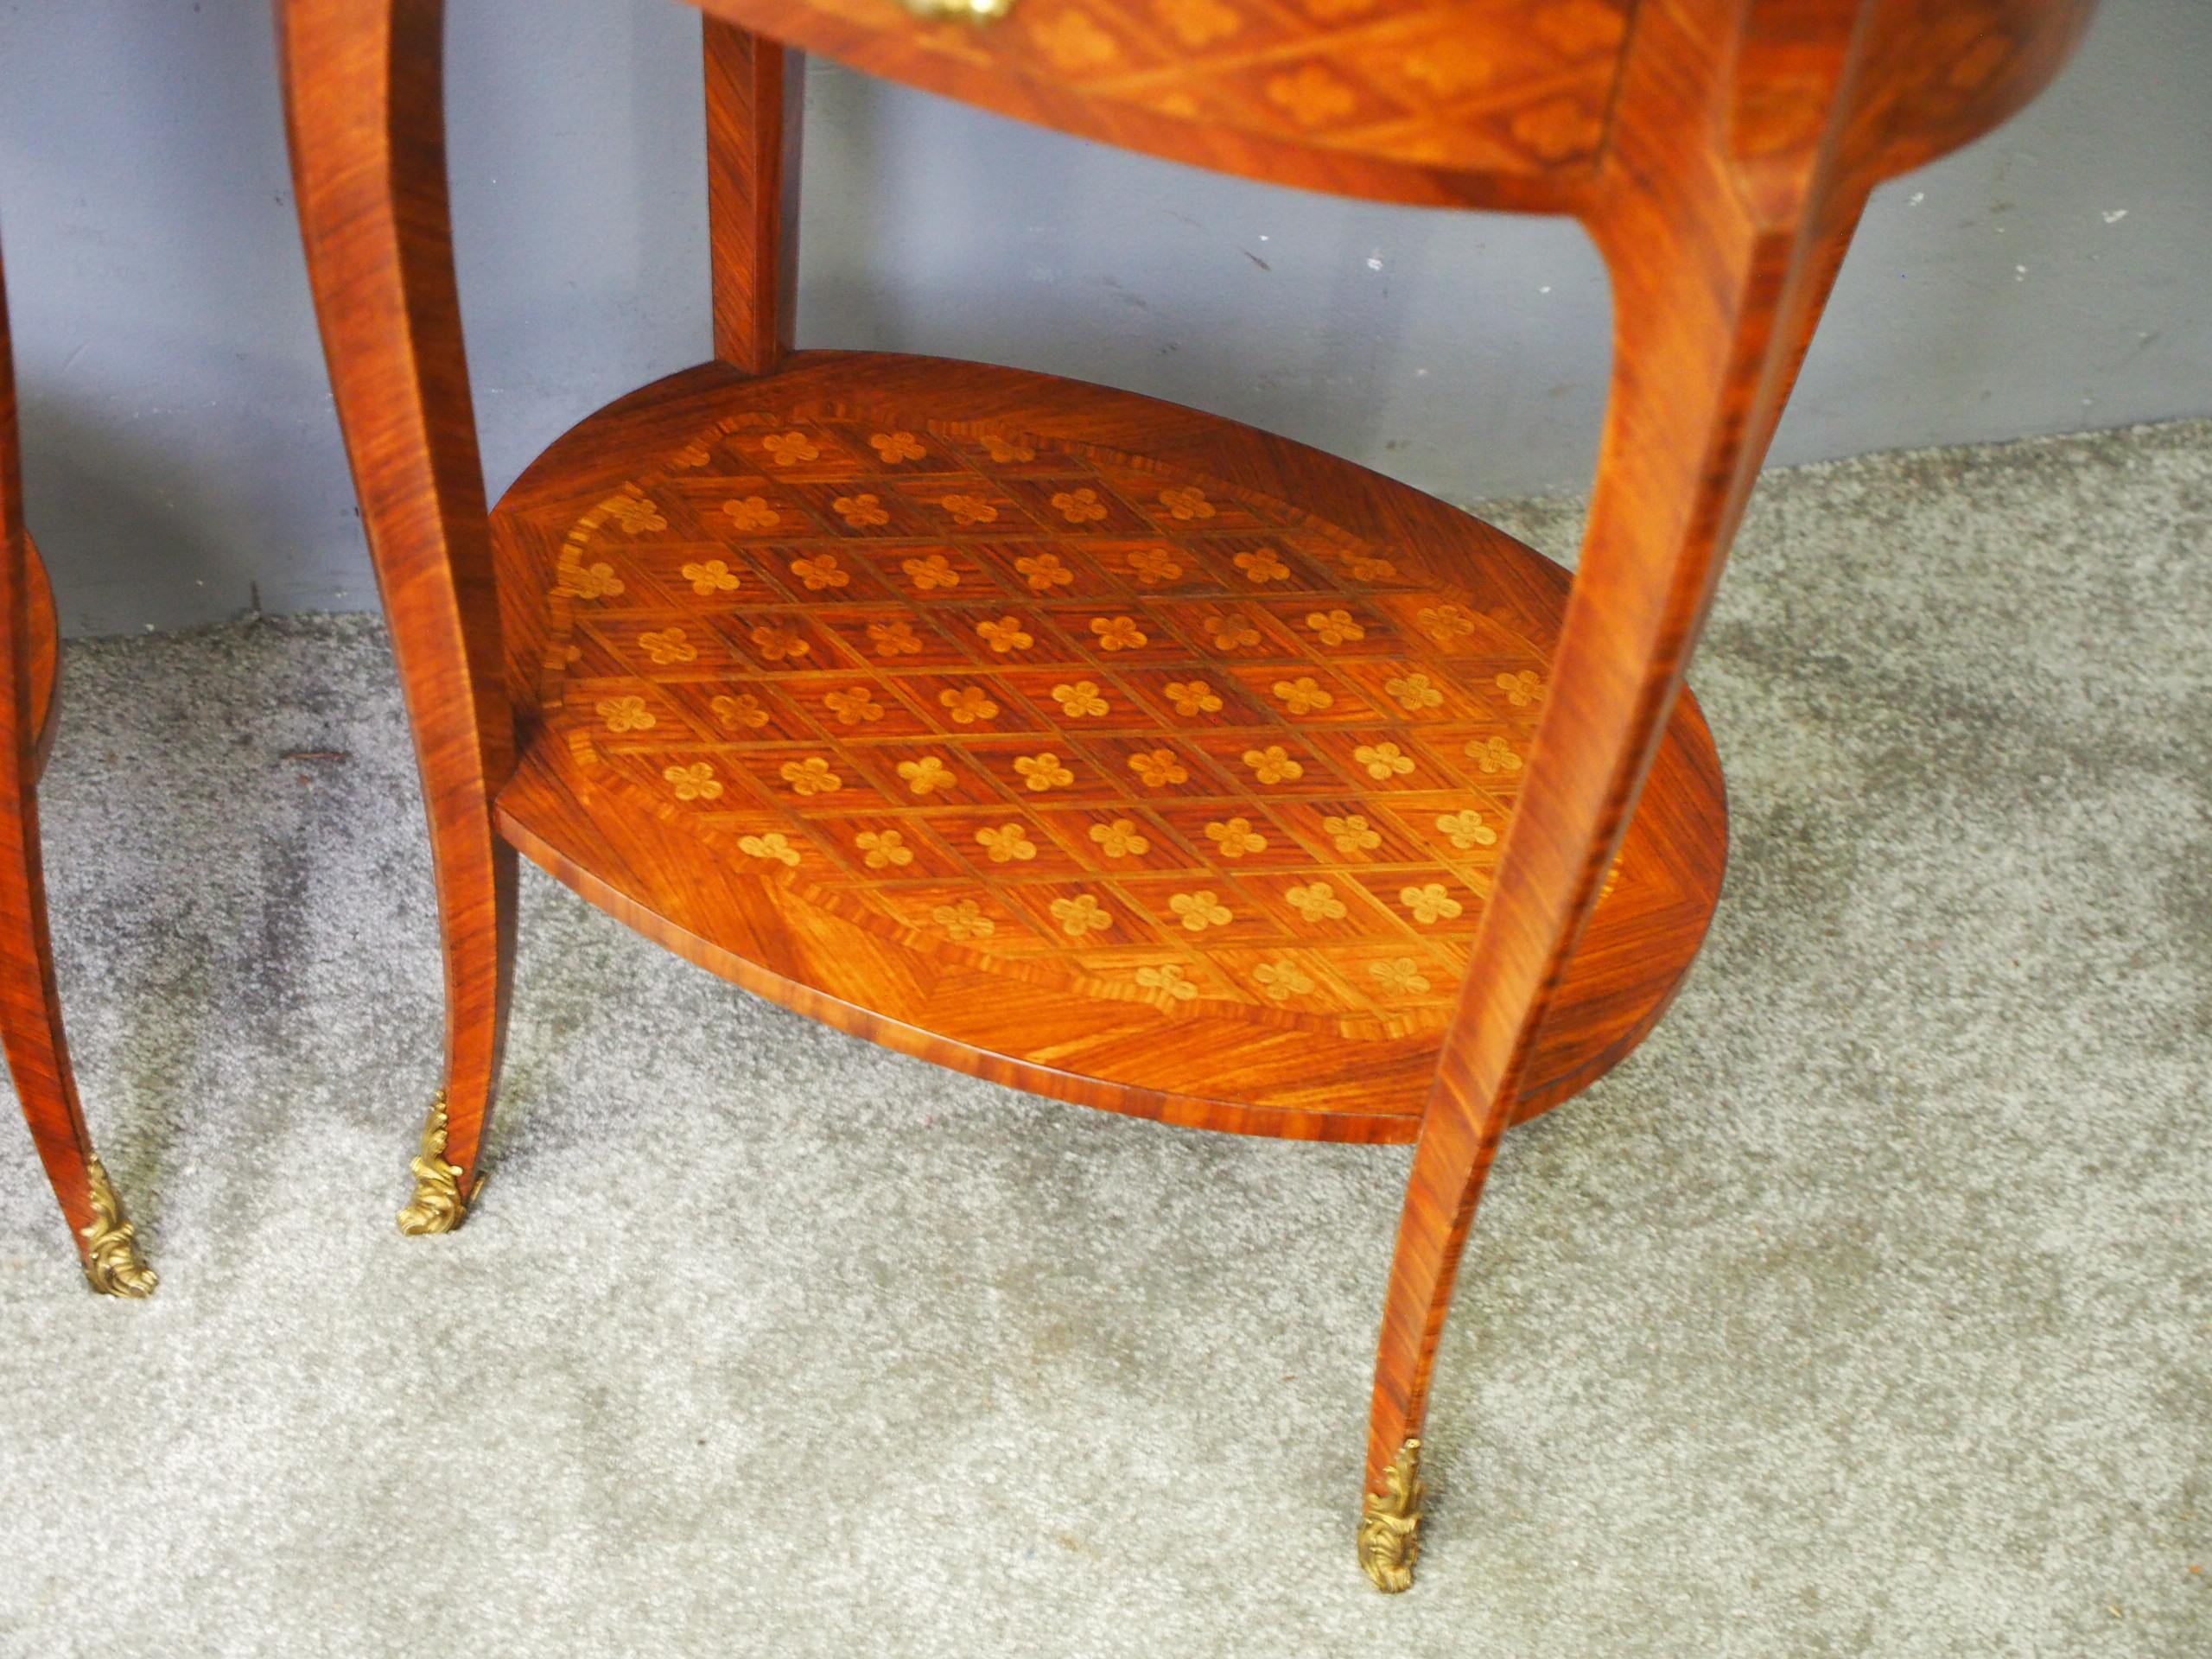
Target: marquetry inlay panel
1511 86
1052 708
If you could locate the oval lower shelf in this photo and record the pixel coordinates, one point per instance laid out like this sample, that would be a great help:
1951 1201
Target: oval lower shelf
1080 740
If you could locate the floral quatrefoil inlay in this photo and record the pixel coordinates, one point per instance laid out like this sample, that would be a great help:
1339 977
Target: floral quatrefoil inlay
1117 633
1045 572
1120 839
1079 506
626 715
927 775
1197 746
854 707
1466 830
1006 843
1154 565
967 704
778 644
1352 833
894 638
709 577
1230 632
1399 976
1383 761
696 782
1167 977
1080 699
1043 770
1159 769
668 645
635 514
1080 915
743 711
1492 754
1235 837
967 509
1193 697
595 582
963 921
774 845
1264 564
931 574
1200 911
1522 688
1335 627
811 776
1445 623
1430 903
1414 692
883 849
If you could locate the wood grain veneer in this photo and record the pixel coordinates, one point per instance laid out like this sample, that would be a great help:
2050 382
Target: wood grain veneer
1121 777
31 1006
1718 152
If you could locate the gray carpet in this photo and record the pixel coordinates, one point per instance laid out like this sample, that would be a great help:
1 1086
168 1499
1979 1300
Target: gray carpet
1868 1310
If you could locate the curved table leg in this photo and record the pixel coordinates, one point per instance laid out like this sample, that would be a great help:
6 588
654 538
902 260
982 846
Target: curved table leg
30 1012
363 86
1719 280
38 1052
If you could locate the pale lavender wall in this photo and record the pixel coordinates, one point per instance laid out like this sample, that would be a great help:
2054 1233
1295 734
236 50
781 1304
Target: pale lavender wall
182 458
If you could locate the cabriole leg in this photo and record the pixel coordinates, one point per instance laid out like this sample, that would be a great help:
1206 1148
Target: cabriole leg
1720 273
363 91
30 1012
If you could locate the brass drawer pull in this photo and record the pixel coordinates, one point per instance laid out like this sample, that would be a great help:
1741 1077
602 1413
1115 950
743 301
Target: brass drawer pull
964 11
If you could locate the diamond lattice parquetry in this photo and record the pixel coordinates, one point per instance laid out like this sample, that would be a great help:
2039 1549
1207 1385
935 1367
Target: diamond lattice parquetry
1138 732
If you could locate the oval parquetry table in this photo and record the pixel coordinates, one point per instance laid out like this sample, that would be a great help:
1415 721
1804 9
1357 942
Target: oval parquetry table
1088 743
